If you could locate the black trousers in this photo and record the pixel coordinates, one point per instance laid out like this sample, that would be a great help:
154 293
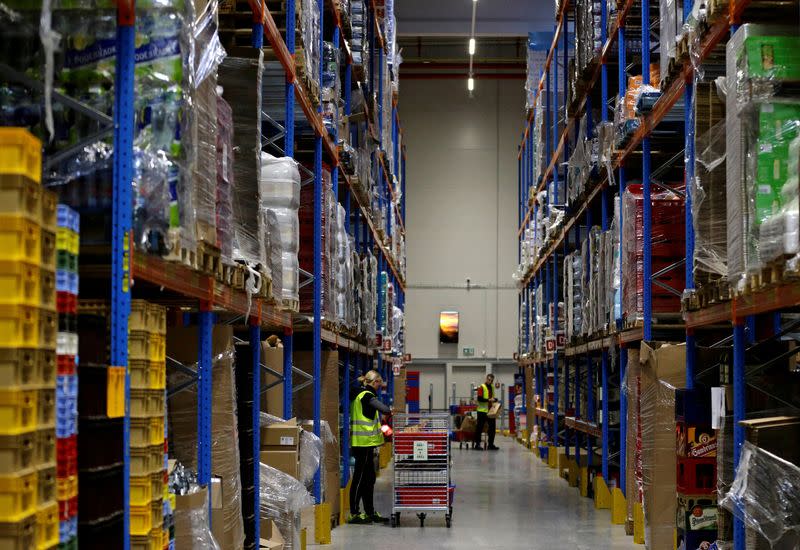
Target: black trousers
362 486
483 419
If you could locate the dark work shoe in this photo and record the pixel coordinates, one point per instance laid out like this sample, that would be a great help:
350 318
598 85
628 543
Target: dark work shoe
359 519
377 518
493 448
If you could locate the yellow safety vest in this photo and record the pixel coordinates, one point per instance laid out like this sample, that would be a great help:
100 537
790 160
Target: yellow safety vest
364 432
488 393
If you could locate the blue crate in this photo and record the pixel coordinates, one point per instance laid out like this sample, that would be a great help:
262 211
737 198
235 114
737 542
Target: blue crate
69 218
66 281
66 386
67 529
66 427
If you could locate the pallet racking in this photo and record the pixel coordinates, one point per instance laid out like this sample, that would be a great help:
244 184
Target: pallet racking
632 161
179 285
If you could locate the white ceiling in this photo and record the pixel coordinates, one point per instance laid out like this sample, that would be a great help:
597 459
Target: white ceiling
453 17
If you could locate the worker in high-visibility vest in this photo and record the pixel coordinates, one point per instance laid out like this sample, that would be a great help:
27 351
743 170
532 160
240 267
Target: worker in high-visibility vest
365 437
485 401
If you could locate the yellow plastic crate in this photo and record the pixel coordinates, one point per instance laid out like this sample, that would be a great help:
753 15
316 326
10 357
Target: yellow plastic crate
141 520
157 398
138 345
48 329
20 153
47 526
157 375
17 496
49 207
19 368
45 446
140 432
140 403
47 490
47 297
20 239
19 326
158 347
48 246
20 283
157 513
115 392
156 430
156 457
20 196
150 541
157 318
20 534
46 368
67 487
141 463
69 241
157 485
140 490
17 452
139 370
139 317
47 407
17 411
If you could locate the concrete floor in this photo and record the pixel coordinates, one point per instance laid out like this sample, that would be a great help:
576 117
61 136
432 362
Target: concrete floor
506 499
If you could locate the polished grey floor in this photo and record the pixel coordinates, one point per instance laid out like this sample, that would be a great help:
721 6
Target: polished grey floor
506 499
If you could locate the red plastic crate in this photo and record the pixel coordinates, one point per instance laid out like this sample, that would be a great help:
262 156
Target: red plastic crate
404 442
423 496
697 476
67 456
66 302
67 508
66 364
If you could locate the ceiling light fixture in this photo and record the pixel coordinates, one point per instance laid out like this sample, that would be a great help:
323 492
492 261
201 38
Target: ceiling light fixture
471 46
470 84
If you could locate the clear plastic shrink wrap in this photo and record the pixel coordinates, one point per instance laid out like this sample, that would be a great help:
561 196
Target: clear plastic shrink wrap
224 204
279 187
241 83
282 498
311 450
762 121
273 251
668 238
766 495
182 410
192 531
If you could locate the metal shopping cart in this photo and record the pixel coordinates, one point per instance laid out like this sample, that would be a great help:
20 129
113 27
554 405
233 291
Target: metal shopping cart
422 466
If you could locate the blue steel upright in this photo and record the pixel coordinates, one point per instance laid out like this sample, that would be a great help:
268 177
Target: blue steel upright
204 391
739 387
606 443
255 349
121 215
647 267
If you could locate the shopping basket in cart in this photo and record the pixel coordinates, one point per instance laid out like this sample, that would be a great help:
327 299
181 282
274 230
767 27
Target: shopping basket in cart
422 466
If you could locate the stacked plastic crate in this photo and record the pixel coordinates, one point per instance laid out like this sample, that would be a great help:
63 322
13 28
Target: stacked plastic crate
148 474
29 511
67 245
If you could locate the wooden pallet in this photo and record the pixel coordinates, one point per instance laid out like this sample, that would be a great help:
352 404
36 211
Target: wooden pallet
209 258
179 253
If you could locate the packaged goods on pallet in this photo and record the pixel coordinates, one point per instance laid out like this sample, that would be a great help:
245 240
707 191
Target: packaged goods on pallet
536 57
182 344
762 129
764 493
279 187
306 216
670 28
579 167
650 388
282 498
668 248
359 45
241 83
587 33
190 502
573 278
331 87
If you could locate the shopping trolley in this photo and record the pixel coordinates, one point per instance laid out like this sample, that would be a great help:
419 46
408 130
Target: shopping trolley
422 466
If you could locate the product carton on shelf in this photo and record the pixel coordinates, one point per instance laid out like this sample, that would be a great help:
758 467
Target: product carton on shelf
281 436
287 461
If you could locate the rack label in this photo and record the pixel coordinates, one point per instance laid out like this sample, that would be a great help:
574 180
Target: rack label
287 440
420 450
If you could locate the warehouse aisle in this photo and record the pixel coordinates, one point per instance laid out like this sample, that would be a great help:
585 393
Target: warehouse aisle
506 499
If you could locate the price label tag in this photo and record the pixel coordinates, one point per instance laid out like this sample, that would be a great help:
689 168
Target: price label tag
420 450
287 440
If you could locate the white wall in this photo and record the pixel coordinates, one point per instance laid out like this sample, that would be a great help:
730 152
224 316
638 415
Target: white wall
461 210
437 379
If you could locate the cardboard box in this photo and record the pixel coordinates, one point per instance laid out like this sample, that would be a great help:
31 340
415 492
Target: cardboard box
184 505
663 367
400 391
182 345
285 461
271 538
696 441
281 436
272 357
632 455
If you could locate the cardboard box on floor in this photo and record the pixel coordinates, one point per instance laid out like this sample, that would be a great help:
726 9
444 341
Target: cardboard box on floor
329 411
272 357
663 368
182 345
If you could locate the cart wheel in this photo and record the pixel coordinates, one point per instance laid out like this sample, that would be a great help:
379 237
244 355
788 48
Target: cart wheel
448 520
421 517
